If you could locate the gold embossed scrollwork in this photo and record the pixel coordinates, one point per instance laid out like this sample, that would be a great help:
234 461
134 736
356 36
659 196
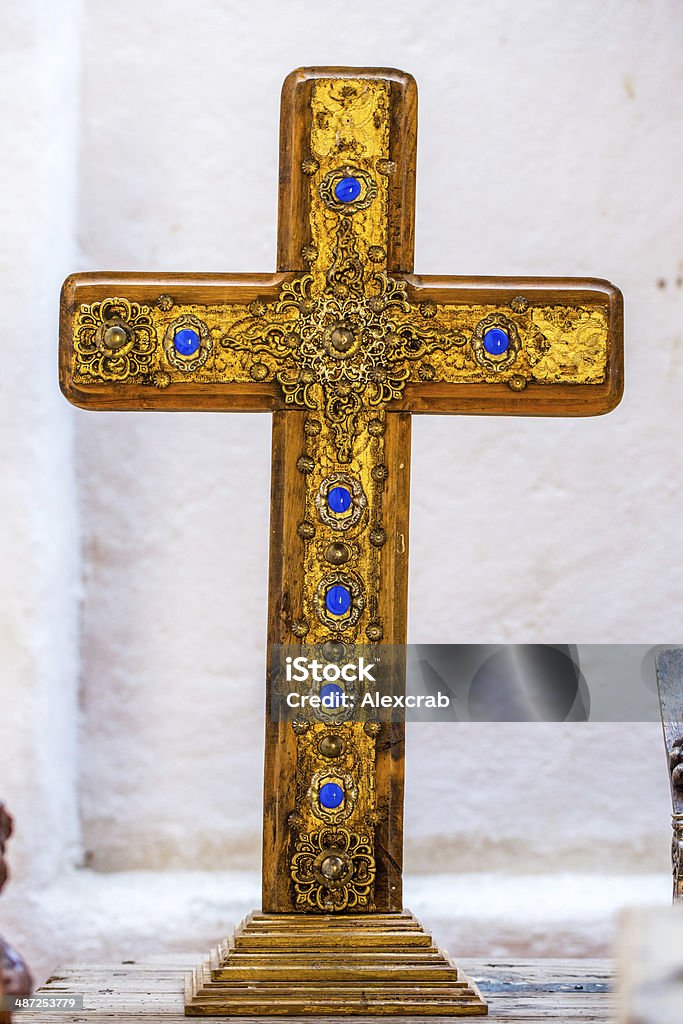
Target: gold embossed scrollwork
333 869
350 347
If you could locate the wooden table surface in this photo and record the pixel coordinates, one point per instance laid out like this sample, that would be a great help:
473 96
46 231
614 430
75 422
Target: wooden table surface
571 991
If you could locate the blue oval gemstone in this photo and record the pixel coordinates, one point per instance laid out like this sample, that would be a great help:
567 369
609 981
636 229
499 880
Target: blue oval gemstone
331 795
331 694
339 499
338 600
186 341
347 189
496 341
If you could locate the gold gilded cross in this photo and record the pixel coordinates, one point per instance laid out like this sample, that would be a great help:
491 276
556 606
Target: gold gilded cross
342 345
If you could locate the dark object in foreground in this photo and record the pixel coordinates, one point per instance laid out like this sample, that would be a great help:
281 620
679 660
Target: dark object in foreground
15 977
670 684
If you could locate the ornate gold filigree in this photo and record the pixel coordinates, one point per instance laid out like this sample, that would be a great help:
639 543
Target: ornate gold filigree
187 364
114 339
332 816
344 520
506 359
333 869
332 179
349 347
353 585
333 749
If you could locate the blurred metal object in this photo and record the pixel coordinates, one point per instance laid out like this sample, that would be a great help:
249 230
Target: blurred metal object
507 682
650 965
670 686
15 977
6 826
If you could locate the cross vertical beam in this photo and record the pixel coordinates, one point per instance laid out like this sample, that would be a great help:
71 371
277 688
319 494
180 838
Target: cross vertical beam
365 121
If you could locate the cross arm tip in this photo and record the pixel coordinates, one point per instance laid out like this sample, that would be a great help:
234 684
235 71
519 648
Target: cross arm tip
301 75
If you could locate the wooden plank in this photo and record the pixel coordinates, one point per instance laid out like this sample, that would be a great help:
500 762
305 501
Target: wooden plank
570 991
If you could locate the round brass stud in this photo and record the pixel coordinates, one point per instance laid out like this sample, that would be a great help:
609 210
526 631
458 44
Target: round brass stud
517 383
305 464
334 650
337 553
342 337
380 473
312 427
258 371
306 530
378 537
115 337
385 167
331 746
376 427
332 867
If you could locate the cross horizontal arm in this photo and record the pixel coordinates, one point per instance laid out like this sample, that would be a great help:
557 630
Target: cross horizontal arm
248 342
154 341
514 346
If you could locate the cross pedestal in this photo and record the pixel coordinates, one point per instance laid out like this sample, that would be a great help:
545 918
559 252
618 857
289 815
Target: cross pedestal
342 345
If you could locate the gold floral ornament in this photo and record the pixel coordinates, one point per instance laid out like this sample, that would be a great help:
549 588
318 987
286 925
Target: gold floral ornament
333 870
340 349
114 339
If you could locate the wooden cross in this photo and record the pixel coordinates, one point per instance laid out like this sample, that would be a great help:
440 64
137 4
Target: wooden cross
342 345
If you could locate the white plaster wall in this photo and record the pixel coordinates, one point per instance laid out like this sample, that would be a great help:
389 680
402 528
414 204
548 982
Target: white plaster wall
146 137
39 570
547 145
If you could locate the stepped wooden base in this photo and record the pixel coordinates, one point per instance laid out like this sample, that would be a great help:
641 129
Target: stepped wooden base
326 965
